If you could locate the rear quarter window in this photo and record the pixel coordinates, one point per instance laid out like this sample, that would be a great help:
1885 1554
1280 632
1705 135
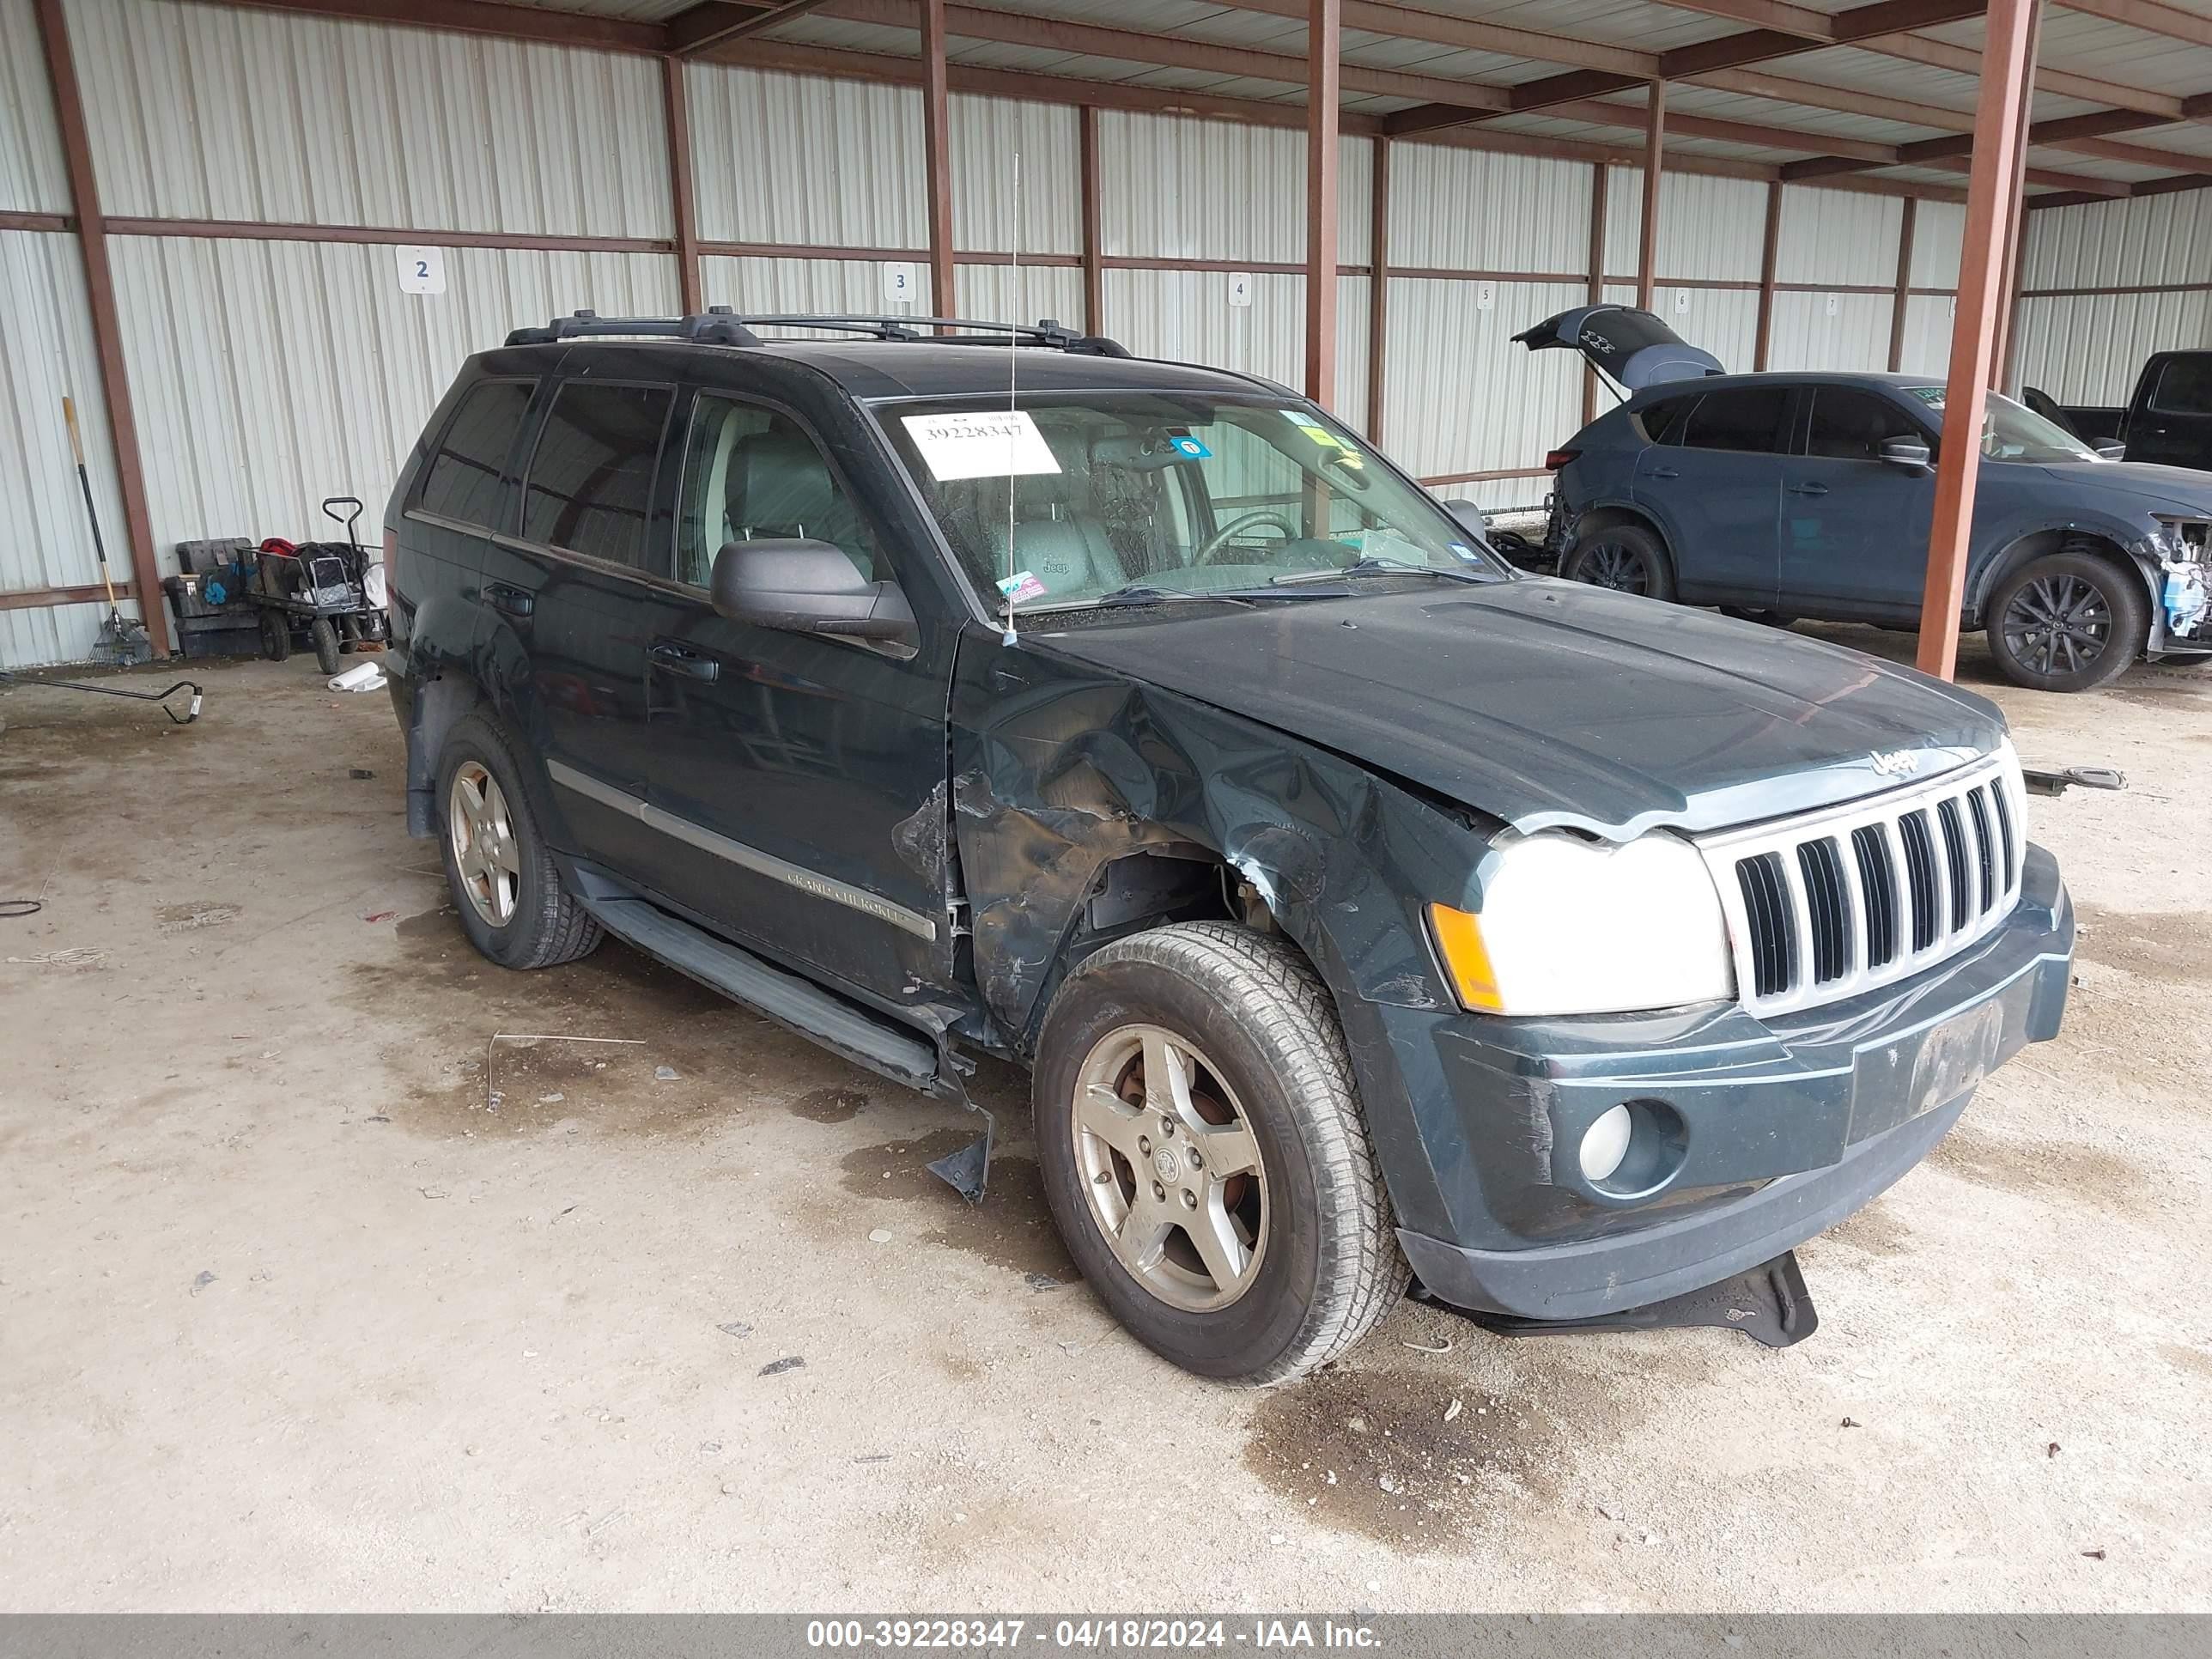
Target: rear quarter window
1748 419
462 482
1662 422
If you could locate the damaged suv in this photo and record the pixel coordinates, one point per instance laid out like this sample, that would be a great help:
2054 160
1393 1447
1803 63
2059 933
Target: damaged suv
1362 907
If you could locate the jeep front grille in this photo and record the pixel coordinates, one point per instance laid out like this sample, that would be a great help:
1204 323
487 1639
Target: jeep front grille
1825 906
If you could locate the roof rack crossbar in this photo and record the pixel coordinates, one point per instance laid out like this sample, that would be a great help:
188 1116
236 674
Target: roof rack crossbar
721 325
717 326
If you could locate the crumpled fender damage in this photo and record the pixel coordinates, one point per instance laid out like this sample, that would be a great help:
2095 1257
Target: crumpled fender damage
1058 776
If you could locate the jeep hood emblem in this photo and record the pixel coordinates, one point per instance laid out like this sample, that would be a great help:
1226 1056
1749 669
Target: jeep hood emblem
1897 763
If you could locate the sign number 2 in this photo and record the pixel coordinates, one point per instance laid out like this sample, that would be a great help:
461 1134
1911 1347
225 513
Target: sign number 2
421 270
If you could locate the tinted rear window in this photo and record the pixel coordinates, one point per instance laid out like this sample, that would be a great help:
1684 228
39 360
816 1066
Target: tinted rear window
1662 422
2184 386
1750 419
591 480
463 479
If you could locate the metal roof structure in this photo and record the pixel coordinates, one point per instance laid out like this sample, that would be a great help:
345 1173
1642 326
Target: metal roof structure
1876 96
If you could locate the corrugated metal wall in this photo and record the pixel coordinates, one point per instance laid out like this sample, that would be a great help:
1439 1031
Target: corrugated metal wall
268 376
2088 349
222 112
32 179
46 354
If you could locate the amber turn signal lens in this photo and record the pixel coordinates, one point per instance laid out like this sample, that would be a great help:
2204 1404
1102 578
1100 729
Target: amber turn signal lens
1459 941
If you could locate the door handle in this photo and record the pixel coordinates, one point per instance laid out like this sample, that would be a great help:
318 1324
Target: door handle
509 600
682 659
1664 472
1808 490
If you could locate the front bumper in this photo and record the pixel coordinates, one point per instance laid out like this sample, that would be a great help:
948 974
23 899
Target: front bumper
1788 1126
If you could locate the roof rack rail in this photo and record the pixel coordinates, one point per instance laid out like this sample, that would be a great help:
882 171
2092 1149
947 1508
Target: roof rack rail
721 325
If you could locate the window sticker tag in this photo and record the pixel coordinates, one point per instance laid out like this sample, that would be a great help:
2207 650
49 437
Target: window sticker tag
1321 435
1025 586
1189 447
998 444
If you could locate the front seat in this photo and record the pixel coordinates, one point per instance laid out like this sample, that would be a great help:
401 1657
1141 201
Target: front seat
1069 552
780 487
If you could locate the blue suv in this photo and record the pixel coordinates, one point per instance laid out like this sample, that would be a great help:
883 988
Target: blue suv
1779 496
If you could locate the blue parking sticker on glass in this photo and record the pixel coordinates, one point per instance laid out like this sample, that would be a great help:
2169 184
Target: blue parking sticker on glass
1189 447
1463 549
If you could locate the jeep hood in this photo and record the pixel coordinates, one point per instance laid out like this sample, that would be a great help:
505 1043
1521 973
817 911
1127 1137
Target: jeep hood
1544 703
1633 348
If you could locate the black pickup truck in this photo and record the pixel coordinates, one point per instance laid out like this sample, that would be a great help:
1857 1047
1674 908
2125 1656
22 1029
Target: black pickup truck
1361 908
2167 422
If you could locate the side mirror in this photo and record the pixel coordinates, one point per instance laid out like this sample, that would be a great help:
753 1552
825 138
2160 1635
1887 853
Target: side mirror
1904 452
806 587
2110 450
1471 518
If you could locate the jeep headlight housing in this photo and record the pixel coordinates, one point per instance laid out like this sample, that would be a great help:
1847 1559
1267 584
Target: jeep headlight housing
1574 927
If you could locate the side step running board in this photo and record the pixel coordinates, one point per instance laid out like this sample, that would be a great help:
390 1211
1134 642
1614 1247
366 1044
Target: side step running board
866 1039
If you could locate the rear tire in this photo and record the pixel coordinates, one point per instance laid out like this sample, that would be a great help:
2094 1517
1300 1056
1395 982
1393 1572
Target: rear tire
325 634
501 874
275 635
2066 622
1625 557
1251 1239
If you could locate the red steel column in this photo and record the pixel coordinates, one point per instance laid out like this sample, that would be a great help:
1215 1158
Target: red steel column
1594 294
1094 275
1903 284
1378 287
1768 259
106 323
2001 357
1324 94
1991 201
1655 144
679 106
936 159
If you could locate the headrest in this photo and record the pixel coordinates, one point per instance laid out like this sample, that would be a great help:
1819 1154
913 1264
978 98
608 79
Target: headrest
779 482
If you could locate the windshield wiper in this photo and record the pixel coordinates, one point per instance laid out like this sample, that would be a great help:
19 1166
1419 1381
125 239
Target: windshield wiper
1131 593
1374 567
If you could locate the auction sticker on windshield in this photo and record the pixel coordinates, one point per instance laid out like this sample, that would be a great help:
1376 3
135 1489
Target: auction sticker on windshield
1000 444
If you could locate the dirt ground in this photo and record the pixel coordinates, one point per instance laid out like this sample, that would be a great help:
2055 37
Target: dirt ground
292 1318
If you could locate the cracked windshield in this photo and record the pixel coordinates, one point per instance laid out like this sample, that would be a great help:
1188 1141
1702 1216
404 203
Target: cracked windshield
1113 498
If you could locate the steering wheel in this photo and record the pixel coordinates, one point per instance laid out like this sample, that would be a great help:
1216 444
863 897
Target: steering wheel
1220 538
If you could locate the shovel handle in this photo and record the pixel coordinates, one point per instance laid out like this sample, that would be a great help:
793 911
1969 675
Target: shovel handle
69 415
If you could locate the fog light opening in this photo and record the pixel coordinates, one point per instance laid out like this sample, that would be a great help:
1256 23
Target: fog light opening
1605 1143
1634 1148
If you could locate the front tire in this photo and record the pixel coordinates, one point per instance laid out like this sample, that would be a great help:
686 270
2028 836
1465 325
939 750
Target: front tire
325 634
501 873
2066 622
1625 557
1205 1156
276 634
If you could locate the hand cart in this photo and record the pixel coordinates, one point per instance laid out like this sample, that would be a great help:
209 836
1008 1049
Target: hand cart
330 591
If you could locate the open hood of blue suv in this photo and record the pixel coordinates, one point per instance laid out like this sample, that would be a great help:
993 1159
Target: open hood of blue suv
1630 348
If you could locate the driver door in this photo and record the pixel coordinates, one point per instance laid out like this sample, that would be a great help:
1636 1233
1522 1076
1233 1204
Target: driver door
789 770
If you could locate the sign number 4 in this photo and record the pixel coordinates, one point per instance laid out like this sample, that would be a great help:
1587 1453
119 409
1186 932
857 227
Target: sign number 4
1240 289
421 270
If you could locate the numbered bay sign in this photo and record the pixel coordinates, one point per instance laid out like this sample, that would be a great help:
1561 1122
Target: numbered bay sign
1240 288
899 283
421 270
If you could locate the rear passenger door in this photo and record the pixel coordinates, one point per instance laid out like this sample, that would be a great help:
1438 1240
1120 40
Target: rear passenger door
2174 426
1715 489
570 589
1854 527
797 780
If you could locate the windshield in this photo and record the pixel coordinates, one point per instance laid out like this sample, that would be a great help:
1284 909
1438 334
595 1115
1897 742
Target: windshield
2014 432
1063 499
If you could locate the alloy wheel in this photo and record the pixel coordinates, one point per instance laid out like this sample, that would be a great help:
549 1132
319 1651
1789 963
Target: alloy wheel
1610 564
1170 1168
2058 624
484 852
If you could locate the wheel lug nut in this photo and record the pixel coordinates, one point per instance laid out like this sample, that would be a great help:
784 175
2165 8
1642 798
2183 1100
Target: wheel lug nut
1144 1143
1167 1126
1196 1161
1158 1191
1190 1198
